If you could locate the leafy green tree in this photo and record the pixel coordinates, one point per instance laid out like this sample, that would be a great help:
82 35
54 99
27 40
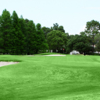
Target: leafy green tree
57 27
92 28
88 38
97 42
56 40
61 28
5 31
80 43
46 30
83 33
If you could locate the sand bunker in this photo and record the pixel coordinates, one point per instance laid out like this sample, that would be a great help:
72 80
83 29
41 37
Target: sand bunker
2 63
55 55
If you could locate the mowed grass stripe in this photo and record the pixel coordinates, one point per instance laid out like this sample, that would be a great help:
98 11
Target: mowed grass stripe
43 77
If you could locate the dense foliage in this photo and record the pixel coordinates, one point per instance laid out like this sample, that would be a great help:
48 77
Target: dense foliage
80 43
57 40
19 36
92 29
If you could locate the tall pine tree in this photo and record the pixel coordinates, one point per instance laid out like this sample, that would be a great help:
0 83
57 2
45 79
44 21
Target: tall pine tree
17 35
23 38
1 39
5 31
30 37
40 38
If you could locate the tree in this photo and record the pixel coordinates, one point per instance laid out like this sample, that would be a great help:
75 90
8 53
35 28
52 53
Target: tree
83 33
57 27
40 38
56 40
97 42
17 37
1 39
46 30
23 37
80 43
92 28
61 28
31 37
5 31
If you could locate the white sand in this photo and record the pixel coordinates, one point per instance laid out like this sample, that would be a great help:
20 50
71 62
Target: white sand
55 55
9 63
6 63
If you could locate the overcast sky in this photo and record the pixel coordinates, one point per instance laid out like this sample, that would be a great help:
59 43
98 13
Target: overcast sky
72 14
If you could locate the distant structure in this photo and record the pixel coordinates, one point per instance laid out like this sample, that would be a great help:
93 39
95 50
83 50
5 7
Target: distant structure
74 52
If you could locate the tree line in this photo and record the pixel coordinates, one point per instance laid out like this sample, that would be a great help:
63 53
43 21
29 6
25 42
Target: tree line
86 42
21 36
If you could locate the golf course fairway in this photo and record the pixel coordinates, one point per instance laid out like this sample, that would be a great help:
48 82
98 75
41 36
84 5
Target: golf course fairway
70 77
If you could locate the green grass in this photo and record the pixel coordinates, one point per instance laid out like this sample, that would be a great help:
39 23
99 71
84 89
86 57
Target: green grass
50 78
49 53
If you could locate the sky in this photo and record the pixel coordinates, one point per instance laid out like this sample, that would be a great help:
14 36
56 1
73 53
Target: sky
71 14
